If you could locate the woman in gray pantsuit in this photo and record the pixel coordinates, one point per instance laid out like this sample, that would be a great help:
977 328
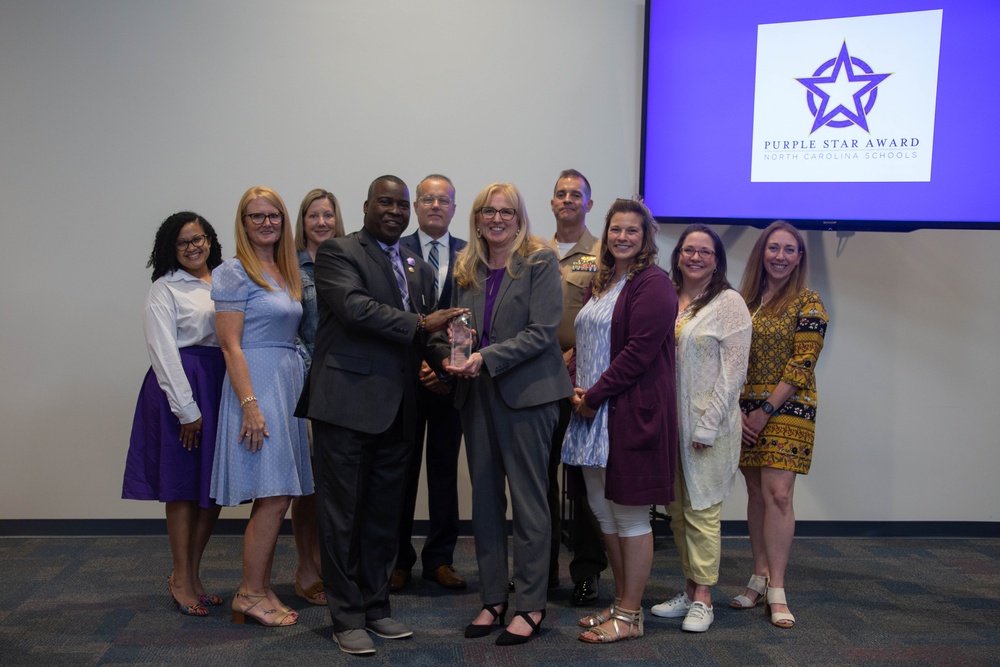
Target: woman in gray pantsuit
507 393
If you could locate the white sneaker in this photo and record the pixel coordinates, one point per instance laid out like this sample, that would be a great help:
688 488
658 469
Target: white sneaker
699 618
675 607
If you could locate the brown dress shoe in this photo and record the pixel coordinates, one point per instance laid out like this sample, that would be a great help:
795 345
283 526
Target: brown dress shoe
446 576
399 579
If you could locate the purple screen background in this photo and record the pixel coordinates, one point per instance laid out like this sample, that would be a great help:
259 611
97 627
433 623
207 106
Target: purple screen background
699 118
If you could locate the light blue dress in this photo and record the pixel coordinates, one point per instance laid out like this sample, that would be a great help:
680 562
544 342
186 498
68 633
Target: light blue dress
586 441
281 467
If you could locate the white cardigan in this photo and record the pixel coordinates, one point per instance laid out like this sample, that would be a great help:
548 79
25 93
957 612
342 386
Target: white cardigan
712 352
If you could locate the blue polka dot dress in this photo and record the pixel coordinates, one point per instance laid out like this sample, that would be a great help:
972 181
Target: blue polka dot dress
282 466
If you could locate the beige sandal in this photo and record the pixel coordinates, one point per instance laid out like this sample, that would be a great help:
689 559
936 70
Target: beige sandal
597 618
272 618
758 584
779 619
632 627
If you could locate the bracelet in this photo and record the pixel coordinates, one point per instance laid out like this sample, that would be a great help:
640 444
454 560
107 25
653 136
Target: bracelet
421 322
248 399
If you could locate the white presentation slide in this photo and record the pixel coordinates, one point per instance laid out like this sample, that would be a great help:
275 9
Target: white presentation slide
846 100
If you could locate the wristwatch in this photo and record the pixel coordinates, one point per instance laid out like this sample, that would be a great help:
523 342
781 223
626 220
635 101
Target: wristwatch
767 408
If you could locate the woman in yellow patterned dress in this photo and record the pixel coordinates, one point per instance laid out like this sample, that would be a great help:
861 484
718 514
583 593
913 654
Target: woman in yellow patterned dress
779 406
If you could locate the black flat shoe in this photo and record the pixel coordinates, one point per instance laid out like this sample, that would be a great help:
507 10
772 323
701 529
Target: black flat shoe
585 592
510 639
473 631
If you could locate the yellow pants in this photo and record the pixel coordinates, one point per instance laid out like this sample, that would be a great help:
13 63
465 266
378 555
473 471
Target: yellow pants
698 535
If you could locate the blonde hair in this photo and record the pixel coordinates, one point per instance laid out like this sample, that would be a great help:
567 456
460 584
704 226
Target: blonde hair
311 196
755 277
477 253
284 249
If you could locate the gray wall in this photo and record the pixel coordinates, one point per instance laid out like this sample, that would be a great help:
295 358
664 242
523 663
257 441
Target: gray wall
116 113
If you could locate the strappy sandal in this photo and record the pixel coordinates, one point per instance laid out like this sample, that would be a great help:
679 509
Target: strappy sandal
314 594
473 631
779 619
632 628
508 638
598 618
280 616
758 584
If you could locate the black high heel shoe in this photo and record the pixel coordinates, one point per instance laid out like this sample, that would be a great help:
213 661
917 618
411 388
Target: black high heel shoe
510 639
473 631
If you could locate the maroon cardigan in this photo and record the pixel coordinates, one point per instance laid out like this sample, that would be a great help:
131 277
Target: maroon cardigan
641 393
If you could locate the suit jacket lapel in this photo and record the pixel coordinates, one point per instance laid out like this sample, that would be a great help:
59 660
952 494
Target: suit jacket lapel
381 260
516 263
479 306
413 282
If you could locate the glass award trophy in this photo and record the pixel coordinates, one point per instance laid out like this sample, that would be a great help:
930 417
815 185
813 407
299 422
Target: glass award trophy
461 340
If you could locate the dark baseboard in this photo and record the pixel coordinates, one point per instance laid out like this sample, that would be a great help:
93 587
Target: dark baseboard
103 527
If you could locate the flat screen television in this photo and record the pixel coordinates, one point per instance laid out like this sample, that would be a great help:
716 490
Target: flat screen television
849 115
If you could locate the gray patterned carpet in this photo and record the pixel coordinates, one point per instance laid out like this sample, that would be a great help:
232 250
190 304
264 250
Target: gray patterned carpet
906 602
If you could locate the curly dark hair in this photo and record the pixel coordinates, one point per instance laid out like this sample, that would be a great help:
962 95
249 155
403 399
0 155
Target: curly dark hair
163 259
718 283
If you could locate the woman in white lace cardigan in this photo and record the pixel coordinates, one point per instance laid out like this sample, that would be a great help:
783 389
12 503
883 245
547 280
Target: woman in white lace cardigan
713 330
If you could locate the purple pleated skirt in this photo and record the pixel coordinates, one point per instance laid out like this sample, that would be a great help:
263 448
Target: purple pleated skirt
158 467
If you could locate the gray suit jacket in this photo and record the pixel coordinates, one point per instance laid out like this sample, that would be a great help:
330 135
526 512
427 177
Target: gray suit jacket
523 357
368 349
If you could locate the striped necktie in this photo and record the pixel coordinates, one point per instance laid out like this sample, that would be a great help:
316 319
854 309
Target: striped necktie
435 261
400 278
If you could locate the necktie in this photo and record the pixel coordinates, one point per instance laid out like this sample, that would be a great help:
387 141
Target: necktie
400 278
435 261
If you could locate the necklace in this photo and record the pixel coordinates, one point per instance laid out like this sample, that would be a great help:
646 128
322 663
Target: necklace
763 300
493 283
691 302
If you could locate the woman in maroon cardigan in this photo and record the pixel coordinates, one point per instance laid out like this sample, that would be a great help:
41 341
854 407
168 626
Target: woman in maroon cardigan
623 432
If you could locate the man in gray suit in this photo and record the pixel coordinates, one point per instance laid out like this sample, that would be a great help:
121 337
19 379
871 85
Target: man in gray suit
376 307
436 413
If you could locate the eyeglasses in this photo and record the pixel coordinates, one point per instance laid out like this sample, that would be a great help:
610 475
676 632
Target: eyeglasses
259 218
194 241
506 214
429 200
689 251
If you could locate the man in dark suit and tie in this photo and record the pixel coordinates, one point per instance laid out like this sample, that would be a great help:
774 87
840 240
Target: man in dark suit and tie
376 307
435 207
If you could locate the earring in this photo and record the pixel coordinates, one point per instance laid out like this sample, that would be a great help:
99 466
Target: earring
479 233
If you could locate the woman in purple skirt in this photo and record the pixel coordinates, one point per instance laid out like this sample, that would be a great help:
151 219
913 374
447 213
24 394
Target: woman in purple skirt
173 433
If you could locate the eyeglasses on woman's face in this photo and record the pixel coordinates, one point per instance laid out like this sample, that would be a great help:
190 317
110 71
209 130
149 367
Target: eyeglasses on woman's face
193 242
489 213
691 251
259 218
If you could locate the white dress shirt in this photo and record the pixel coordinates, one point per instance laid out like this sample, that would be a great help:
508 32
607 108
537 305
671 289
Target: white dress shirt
444 255
179 313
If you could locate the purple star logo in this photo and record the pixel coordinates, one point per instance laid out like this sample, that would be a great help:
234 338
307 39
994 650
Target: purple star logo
846 70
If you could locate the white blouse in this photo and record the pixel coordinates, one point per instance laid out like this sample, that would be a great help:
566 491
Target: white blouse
179 313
